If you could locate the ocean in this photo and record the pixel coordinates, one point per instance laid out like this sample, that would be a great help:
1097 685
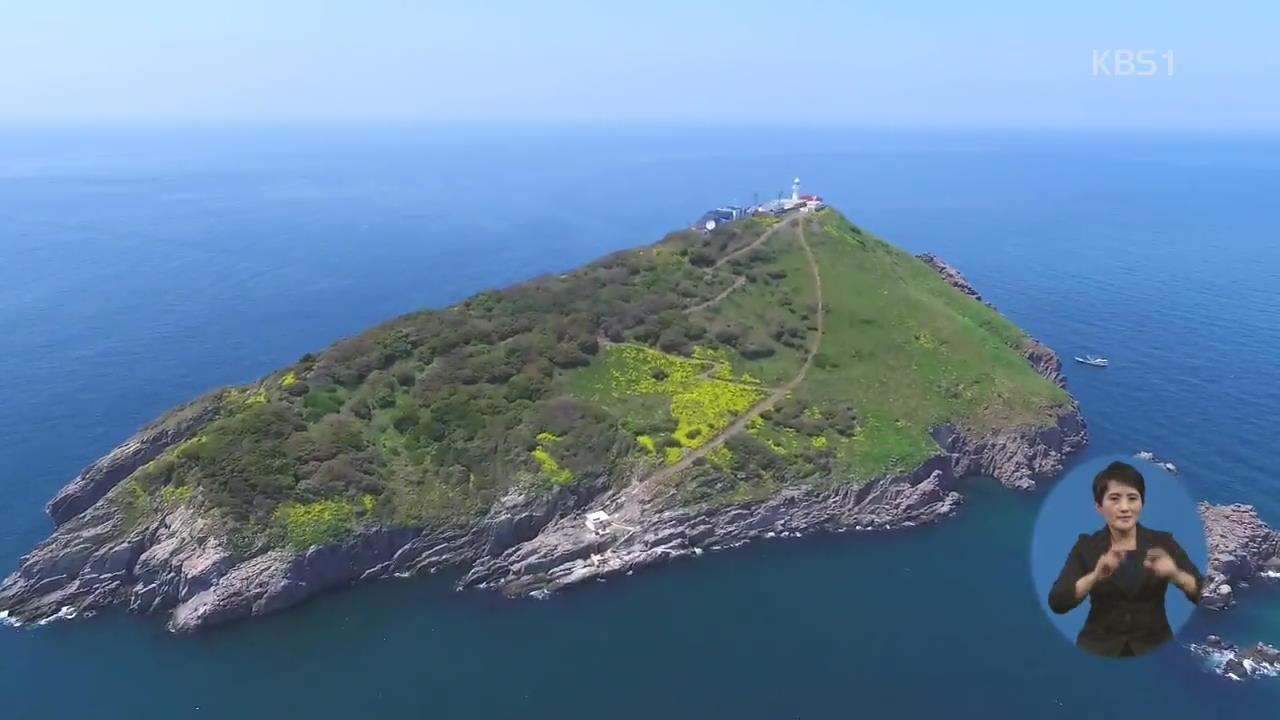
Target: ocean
145 264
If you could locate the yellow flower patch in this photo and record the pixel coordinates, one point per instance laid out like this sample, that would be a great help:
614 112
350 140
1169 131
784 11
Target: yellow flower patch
557 474
707 407
317 523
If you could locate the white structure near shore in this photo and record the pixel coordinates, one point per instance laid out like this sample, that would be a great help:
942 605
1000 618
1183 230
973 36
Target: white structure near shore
598 522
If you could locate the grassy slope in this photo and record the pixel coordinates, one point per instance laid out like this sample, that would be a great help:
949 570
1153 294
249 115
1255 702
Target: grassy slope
910 353
427 419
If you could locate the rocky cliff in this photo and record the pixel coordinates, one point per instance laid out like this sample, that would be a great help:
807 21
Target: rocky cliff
1241 547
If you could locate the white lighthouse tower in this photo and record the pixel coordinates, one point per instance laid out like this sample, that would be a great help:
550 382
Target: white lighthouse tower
795 190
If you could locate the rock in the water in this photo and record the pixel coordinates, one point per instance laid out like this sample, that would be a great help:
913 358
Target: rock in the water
1230 661
1162 464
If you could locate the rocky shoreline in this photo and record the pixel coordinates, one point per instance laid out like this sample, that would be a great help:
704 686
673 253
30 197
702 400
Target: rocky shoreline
1236 663
647 528
526 544
181 563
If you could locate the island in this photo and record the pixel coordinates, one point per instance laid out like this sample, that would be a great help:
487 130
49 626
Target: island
777 375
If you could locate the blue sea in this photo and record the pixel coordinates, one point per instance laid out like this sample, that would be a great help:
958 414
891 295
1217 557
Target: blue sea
141 265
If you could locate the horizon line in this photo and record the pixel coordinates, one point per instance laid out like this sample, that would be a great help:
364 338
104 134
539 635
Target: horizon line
571 121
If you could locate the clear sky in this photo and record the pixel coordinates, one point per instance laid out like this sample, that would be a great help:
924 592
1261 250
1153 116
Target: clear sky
908 62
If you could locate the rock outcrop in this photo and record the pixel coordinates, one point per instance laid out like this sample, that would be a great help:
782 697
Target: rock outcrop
951 275
1045 361
1230 661
1241 546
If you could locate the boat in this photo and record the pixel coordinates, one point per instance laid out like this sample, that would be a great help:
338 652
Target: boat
1091 360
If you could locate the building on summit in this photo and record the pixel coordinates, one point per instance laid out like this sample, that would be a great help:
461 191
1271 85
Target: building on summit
713 219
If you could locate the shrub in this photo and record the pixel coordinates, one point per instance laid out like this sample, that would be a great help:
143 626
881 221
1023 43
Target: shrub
406 377
321 401
701 258
727 336
674 340
757 351
569 356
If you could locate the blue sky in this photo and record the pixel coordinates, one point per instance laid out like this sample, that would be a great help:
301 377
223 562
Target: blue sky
863 63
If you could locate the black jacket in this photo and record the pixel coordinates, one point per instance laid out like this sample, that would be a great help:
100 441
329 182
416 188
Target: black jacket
1117 613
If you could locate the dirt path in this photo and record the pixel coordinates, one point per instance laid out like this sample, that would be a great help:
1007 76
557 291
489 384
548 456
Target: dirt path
663 475
754 244
738 280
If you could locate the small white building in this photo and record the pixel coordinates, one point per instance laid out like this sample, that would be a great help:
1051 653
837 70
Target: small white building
598 522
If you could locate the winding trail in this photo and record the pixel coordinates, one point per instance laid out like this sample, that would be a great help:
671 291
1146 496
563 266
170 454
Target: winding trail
754 243
665 474
738 280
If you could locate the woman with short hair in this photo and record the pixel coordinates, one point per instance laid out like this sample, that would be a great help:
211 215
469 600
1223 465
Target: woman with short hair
1125 569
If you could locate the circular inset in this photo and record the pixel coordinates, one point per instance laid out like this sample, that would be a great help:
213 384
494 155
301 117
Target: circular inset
1125 617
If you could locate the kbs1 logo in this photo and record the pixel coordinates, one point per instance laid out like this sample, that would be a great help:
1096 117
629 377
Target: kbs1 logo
1123 63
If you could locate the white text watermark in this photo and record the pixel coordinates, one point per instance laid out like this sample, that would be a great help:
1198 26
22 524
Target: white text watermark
1132 62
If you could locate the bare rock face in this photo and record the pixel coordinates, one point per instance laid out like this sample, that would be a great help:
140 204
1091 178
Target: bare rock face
645 530
1241 546
1046 362
1019 457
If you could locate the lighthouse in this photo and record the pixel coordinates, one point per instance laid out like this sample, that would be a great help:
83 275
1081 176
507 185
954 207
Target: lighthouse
795 190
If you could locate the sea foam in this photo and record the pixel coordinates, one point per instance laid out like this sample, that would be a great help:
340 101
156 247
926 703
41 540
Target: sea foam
66 613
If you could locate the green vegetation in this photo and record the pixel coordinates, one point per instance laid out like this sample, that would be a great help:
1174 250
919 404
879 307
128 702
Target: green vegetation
303 525
616 368
910 353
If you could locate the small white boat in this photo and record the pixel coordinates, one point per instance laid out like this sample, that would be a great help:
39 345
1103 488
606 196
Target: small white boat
1091 360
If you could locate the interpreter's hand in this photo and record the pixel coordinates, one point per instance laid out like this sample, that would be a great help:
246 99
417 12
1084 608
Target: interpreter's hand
1159 562
1108 562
